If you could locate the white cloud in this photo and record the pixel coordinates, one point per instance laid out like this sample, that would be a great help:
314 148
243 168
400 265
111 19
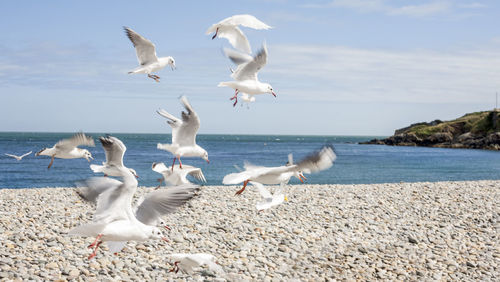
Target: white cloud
421 10
333 73
474 5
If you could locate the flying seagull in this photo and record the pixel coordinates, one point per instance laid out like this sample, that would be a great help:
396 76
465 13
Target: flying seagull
183 134
115 150
19 157
146 54
177 176
228 28
68 148
245 76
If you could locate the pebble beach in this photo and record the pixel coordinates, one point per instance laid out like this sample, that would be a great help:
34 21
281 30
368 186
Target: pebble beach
398 231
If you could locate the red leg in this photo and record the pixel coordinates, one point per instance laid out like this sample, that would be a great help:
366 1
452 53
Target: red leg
95 242
95 250
235 97
173 164
51 162
175 268
180 163
244 186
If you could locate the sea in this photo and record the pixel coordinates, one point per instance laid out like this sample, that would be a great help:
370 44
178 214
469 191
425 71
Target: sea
355 163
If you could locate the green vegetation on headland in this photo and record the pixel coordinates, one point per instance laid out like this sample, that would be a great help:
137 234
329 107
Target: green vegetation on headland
480 130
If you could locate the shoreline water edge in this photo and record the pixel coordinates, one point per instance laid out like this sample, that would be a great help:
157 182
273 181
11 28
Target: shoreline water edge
395 231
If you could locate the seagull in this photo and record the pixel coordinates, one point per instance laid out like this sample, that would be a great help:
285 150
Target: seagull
317 161
245 76
268 200
228 28
183 134
116 220
114 149
68 148
186 262
177 176
146 54
19 157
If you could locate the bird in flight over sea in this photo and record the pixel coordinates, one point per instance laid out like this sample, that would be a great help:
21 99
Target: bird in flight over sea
177 176
146 54
68 148
228 28
183 134
115 150
317 161
19 157
245 76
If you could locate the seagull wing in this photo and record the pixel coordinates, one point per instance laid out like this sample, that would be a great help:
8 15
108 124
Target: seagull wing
249 173
75 141
90 189
262 190
186 135
114 149
247 21
26 154
196 173
115 203
174 122
317 161
249 70
236 37
13 156
159 167
145 49
161 202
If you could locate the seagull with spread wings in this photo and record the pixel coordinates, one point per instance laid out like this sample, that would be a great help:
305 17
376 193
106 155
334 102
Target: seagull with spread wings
228 28
186 262
19 157
116 220
68 148
115 150
177 176
245 75
317 161
183 134
269 200
146 54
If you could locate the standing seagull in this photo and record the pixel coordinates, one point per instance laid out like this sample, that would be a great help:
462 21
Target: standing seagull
146 54
228 28
177 176
317 161
183 134
115 150
245 76
68 148
19 157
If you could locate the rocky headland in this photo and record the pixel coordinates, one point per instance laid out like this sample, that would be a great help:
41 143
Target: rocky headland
480 130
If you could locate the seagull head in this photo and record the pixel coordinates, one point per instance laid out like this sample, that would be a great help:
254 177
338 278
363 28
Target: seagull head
134 172
269 89
87 155
155 233
204 155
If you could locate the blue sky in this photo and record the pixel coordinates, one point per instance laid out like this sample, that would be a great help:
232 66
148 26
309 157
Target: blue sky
339 67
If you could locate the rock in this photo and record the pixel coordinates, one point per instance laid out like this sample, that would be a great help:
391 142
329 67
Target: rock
74 273
51 265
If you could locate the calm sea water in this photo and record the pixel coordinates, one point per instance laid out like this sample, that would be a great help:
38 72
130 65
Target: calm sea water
355 163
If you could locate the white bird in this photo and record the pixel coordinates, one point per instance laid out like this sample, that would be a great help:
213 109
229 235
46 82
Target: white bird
116 220
177 176
68 148
146 54
186 262
317 161
19 157
268 200
183 134
228 28
115 150
245 76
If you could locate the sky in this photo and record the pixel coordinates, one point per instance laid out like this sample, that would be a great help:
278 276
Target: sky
338 67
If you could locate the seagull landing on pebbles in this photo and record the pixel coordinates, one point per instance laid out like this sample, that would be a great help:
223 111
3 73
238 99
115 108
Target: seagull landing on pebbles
318 161
177 176
228 28
19 157
146 54
68 148
186 262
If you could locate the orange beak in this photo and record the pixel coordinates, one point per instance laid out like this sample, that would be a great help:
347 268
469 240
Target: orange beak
274 94
208 161
165 239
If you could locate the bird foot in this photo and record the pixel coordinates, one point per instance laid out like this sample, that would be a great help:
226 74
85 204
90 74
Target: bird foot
175 268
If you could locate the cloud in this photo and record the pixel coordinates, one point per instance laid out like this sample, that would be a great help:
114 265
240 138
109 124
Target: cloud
421 10
343 74
474 5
